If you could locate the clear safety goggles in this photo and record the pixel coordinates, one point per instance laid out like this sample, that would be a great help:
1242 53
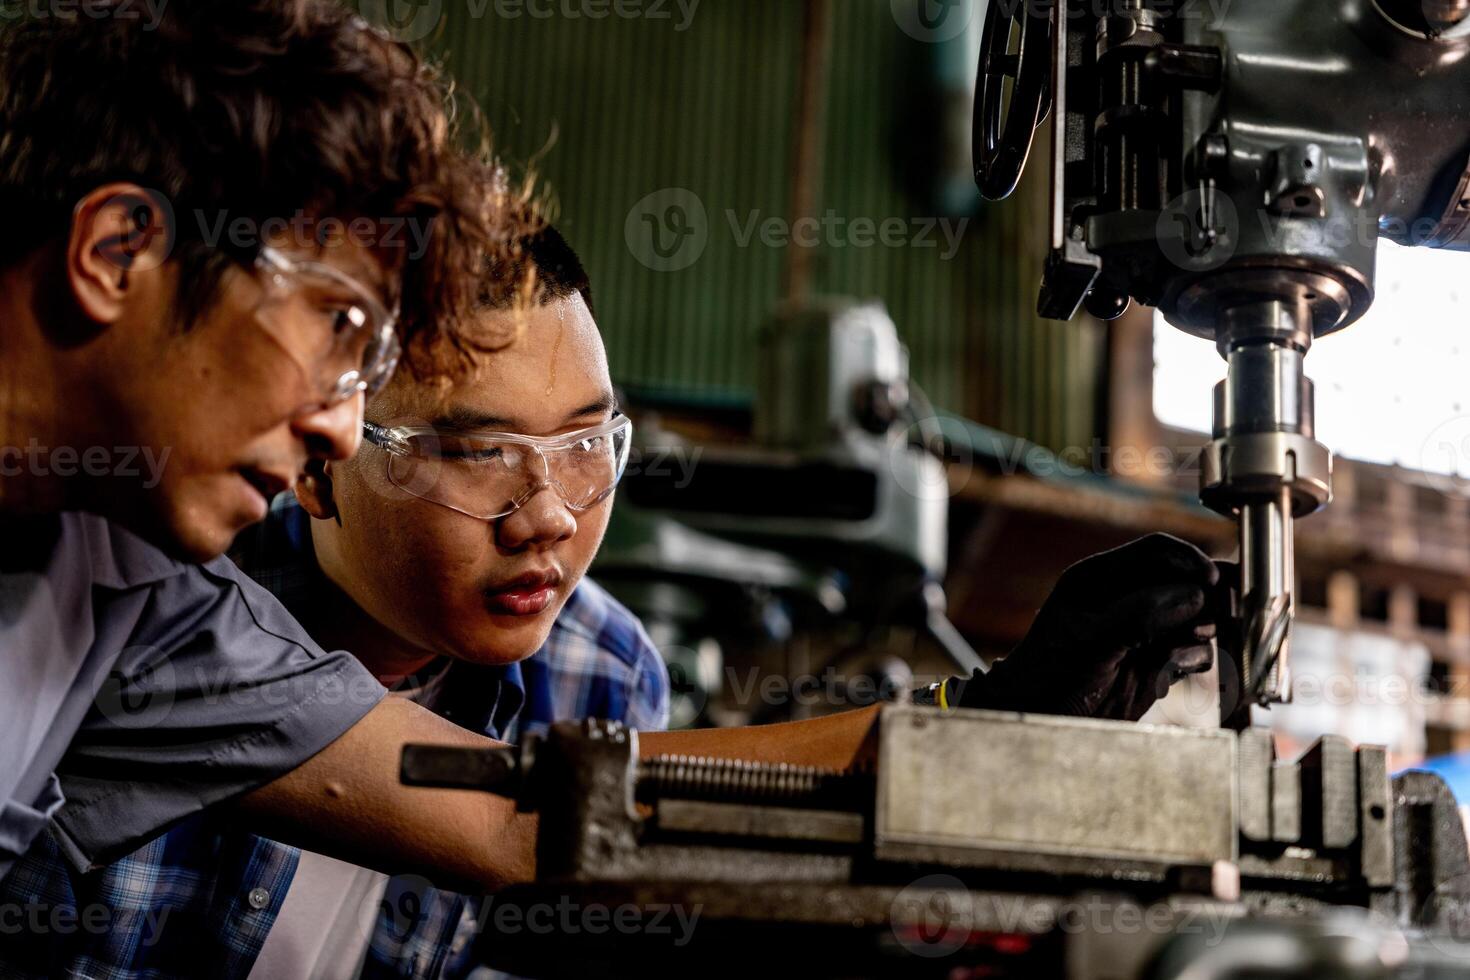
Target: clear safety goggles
489 475
335 328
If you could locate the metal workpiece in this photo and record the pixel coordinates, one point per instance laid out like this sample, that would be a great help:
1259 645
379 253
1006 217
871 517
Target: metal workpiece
1160 798
1325 820
1330 794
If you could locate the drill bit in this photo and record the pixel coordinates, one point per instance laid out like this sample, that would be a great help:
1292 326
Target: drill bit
1267 567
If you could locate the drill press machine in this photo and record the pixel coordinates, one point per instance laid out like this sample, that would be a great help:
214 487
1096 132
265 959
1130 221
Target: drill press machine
1236 167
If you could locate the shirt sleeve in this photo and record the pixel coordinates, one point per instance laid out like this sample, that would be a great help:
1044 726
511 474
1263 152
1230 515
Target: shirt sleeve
218 691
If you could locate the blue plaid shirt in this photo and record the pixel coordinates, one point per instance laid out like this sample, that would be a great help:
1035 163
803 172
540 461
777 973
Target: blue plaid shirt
200 900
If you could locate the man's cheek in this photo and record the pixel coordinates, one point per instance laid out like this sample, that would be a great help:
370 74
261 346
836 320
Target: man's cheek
591 529
450 546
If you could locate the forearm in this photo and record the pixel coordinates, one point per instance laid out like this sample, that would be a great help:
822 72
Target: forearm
842 741
347 802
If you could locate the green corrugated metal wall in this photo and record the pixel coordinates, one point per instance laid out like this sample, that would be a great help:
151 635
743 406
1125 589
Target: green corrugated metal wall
638 106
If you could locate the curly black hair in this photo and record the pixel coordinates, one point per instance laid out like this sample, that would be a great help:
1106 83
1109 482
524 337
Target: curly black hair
253 110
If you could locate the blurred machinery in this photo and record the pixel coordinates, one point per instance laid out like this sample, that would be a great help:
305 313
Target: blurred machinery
837 512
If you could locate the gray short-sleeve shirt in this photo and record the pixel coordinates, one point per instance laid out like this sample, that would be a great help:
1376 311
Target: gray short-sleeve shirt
139 689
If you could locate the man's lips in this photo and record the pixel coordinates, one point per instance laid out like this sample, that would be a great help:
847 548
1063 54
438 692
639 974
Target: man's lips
269 485
529 595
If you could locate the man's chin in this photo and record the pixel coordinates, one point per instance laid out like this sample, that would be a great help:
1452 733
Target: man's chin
200 532
198 544
498 657
188 534
504 640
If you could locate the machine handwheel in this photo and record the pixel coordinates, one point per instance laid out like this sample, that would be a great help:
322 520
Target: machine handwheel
1005 129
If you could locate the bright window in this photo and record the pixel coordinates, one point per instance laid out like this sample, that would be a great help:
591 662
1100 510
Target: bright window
1393 388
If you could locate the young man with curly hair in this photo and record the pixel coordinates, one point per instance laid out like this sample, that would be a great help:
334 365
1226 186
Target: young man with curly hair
222 229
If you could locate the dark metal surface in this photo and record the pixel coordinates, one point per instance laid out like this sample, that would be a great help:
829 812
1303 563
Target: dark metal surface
1258 156
770 880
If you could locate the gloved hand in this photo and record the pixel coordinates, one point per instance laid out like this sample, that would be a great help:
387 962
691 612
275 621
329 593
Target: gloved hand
1118 631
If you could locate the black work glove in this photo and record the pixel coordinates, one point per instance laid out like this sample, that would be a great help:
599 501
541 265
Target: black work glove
1117 632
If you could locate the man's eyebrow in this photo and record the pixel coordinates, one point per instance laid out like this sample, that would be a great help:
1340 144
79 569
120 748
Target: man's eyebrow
468 419
605 404
464 419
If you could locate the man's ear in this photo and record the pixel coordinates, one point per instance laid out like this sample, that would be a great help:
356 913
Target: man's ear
314 491
117 231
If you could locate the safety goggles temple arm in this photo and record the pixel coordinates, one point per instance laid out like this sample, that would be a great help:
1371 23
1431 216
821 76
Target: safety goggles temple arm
388 439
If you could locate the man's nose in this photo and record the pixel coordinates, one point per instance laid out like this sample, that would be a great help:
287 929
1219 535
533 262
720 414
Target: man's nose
541 522
331 432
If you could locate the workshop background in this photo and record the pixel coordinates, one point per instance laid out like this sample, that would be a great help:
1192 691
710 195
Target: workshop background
682 143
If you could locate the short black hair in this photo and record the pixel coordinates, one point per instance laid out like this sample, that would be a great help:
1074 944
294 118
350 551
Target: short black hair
543 263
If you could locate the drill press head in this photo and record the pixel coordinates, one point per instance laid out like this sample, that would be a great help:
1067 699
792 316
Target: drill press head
1235 168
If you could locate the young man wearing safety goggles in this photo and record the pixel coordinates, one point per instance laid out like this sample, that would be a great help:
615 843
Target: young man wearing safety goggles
452 552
